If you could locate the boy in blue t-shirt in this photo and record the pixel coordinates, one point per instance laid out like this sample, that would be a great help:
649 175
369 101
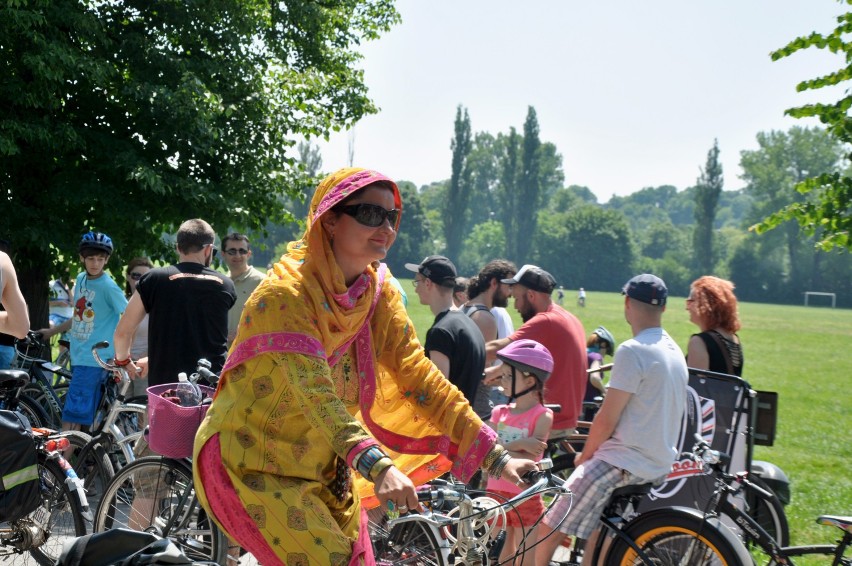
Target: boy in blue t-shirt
98 303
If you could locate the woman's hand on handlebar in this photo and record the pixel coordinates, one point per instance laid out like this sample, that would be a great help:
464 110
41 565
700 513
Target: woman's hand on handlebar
395 487
517 467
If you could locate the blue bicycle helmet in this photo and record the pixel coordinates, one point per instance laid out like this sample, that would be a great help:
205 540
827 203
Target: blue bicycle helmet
96 241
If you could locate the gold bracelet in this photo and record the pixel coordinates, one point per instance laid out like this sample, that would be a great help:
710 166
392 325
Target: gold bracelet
493 456
380 466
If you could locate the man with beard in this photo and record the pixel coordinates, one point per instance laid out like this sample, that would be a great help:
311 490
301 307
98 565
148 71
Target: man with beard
187 304
486 291
562 334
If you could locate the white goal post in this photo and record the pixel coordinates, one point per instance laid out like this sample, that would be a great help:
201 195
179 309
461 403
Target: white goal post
816 293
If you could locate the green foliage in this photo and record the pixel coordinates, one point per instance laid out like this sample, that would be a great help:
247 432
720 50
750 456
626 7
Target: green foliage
460 188
130 117
707 192
826 213
585 247
486 242
529 188
413 240
772 173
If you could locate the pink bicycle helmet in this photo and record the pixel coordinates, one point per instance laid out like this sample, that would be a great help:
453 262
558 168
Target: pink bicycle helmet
528 356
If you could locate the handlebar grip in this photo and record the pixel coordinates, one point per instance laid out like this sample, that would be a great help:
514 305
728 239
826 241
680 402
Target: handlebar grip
101 345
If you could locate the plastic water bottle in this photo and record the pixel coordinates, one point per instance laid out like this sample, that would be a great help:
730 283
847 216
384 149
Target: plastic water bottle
188 393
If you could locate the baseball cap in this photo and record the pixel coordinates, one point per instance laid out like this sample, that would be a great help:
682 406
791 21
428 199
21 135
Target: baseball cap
646 288
534 278
436 268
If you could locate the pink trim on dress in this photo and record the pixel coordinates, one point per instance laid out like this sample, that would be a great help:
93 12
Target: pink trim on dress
466 466
358 448
227 507
274 342
380 281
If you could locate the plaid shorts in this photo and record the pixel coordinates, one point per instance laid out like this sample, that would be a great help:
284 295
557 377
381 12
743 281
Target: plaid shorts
591 484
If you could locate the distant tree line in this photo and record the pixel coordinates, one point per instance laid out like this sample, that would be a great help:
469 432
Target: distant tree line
507 198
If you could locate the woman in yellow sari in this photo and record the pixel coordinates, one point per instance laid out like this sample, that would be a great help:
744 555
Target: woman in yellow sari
327 376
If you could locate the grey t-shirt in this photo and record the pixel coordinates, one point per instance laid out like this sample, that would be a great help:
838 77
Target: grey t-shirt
651 367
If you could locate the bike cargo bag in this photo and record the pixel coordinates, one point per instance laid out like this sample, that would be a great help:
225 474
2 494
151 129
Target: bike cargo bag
19 483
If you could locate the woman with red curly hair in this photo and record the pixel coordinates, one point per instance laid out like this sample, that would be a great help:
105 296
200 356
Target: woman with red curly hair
712 307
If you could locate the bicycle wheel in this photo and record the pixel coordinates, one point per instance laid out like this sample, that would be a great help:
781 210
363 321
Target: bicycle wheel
58 519
33 411
769 514
671 538
92 464
412 543
52 407
156 495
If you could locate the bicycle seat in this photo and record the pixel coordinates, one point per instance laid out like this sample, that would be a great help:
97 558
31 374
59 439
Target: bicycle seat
64 343
842 523
13 378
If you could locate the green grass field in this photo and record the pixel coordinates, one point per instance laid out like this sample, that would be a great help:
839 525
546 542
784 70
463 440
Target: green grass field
803 354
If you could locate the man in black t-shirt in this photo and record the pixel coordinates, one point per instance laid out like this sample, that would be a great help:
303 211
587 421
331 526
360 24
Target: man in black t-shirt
454 343
187 304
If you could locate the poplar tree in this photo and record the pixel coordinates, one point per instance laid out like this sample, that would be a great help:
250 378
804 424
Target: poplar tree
707 192
459 191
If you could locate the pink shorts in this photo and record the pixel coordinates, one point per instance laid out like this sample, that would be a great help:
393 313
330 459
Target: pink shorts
524 515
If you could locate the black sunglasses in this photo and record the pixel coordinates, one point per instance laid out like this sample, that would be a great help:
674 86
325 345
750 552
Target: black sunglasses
135 275
371 215
235 251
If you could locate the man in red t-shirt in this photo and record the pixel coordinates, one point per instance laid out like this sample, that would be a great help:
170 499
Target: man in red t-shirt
561 332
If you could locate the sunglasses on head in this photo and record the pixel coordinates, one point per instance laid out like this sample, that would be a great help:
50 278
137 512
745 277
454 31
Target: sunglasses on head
371 215
235 251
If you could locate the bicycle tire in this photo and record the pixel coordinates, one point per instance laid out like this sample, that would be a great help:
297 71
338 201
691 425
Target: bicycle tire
412 542
769 514
161 488
668 536
59 512
34 412
52 407
92 464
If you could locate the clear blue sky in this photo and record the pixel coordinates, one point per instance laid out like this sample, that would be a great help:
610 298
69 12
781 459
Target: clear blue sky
631 93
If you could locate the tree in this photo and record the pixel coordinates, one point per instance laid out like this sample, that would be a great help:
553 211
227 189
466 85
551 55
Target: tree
707 193
508 189
586 247
529 188
413 240
458 196
128 117
782 161
827 212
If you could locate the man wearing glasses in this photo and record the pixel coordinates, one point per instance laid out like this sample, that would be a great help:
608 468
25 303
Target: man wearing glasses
237 252
187 305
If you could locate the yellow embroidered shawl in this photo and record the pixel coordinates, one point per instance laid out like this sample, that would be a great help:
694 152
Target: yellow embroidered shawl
305 308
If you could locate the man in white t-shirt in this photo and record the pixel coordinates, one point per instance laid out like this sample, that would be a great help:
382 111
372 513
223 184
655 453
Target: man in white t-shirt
237 251
634 436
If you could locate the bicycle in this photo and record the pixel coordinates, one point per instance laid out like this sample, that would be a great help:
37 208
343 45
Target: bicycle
466 536
156 494
120 430
727 484
38 536
48 381
12 398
